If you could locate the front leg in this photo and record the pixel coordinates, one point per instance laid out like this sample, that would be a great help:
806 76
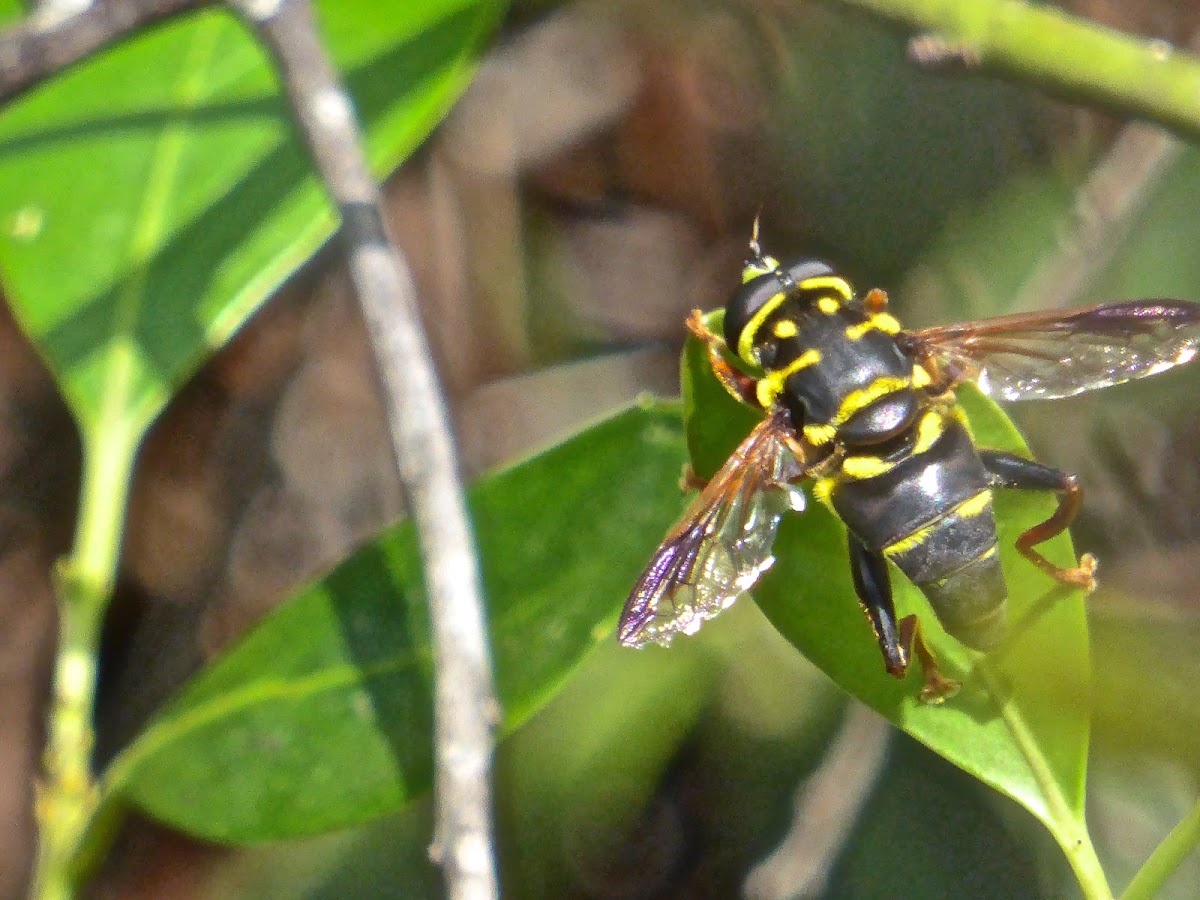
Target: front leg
740 385
1012 471
897 640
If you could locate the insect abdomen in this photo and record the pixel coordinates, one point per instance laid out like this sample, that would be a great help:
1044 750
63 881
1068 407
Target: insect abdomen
928 508
953 560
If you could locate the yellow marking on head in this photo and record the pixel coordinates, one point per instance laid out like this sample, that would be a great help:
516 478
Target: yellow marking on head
920 377
988 553
884 322
833 282
931 427
745 347
861 399
759 265
784 328
860 467
973 506
770 386
819 434
828 305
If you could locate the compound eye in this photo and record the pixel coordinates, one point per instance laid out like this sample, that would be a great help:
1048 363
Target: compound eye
803 269
744 304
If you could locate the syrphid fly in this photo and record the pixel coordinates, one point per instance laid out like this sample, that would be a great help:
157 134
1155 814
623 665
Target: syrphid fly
867 412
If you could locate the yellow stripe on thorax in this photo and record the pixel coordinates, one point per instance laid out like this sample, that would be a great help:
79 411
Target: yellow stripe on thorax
884 322
745 347
823 489
784 329
860 467
832 282
819 434
859 400
770 386
931 427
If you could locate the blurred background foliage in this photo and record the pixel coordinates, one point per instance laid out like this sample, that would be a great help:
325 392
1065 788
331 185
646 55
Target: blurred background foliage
598 181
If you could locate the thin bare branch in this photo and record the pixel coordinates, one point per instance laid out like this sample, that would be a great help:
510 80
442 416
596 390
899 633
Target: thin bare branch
466 709
60 9
1106 206
58 36
825 810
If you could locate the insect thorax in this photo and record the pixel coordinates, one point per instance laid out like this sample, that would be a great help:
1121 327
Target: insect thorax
837 369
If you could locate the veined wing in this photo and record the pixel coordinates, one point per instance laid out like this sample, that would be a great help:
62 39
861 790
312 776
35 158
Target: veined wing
1059 353
721 545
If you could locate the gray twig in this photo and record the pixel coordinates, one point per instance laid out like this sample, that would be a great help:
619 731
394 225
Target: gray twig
1106 205
826 808
59 36
466 708
62 34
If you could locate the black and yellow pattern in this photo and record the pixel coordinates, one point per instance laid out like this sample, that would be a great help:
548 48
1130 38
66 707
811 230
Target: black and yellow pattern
909 484
867 411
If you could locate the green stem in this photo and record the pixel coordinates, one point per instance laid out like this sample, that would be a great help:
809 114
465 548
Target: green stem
66 799
1065 55
1068 828
1166 858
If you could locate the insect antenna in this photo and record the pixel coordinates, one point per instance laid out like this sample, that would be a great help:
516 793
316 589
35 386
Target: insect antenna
756 253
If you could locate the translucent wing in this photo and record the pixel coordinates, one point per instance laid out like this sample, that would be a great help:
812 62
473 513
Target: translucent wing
1062 352
721 545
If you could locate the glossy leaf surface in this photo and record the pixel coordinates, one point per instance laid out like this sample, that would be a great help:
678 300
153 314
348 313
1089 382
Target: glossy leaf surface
152 196
321 718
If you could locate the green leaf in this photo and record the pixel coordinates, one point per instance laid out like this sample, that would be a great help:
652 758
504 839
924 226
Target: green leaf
151 197
321 718
926 819
1020 722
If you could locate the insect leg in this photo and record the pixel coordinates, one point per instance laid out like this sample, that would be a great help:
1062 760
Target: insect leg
739 384
1009 470
874 588
937 686
690 481
896 639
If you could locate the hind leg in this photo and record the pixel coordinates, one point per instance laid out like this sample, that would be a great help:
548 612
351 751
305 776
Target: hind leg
1012 471
897 639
